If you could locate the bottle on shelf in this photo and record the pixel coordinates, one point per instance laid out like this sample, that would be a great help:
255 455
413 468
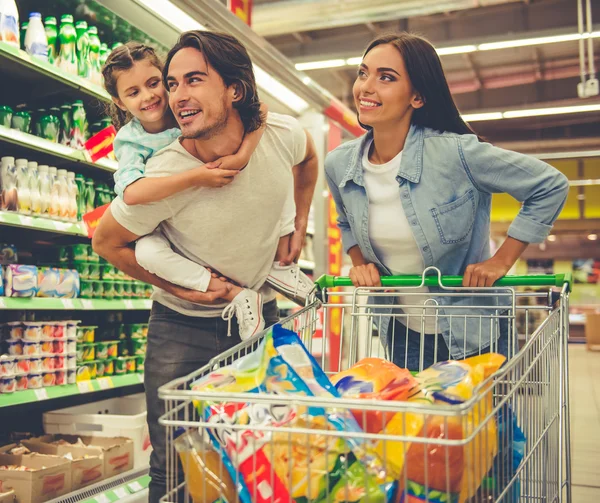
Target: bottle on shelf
24 26
67 37
63 194
54 207
96 68
66 124
23 181
83 50
34 188
36 43
81 197
79 126
90 195
8 183
9 23
104 52
45 189
51 37
72 196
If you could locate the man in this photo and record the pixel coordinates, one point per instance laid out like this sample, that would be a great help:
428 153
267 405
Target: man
234 229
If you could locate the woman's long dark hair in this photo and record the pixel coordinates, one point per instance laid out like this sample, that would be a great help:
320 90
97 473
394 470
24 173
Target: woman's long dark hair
425 71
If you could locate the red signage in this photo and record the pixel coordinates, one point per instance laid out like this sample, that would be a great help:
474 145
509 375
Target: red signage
334 262
92 219
101 144
242 9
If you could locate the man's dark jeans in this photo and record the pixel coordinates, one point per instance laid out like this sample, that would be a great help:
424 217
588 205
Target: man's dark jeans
177 346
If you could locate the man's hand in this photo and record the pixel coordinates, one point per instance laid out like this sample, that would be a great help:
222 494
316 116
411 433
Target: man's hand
203 176
296 245
365 275
214 296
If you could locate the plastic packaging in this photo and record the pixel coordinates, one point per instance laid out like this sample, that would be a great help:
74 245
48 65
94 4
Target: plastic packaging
15 347
8 384
22 382
51 36
36 43
23 183
83 49
35 380
32 331
8 172
9 23
44 188
34 188
67 35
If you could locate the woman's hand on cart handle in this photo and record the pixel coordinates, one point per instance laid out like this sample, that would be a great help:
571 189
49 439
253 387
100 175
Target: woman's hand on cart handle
365 275
488 272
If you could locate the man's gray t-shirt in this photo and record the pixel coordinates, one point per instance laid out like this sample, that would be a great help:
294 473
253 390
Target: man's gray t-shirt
234 229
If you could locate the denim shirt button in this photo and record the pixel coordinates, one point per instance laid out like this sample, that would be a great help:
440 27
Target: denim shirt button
405 195
426 248
414 222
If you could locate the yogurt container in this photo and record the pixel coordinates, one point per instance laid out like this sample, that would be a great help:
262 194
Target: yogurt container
72 329
71 361
22 382
109 367
35 364
101 350
71 376
15 347
31 348
32 331
71 345
15 329
35 380
112 349
48 329
100 368
139 363
47 346
61 377
130 364
60 330
59 347
120 365
86 334
47 362
138 346
23 365
48 378
7 365
59 362
8 384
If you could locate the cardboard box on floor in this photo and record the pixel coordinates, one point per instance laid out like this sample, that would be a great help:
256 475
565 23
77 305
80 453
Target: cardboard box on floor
50 479
117 451
87 465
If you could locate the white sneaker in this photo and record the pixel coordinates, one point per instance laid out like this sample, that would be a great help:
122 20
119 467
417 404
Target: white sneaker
246 306
289 280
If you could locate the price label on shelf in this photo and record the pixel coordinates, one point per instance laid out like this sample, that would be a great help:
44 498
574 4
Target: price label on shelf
141 378
87 303
85 386
102 498
128 304
68 303
2 304
41 394
121 492
135 486
105 383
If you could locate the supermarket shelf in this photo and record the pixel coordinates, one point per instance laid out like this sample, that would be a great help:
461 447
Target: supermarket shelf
56 150
120 488
43 304
42 224
306 264
13 60
55 392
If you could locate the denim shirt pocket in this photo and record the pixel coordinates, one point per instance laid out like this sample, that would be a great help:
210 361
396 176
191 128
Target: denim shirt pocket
455 220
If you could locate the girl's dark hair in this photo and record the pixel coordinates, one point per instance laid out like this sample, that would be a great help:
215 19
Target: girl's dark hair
229 58
123 58
425 71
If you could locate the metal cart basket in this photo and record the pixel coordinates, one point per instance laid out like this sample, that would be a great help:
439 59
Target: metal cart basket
508 442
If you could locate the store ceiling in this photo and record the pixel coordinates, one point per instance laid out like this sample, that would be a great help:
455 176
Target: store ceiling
493 80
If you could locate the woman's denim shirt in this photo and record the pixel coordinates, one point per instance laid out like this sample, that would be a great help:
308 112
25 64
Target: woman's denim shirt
445 183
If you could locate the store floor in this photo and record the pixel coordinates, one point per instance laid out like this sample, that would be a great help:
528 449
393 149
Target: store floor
585 423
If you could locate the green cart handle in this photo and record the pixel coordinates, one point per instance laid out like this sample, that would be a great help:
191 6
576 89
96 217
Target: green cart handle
558 280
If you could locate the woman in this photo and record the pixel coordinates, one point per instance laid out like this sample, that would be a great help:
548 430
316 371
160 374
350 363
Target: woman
415 192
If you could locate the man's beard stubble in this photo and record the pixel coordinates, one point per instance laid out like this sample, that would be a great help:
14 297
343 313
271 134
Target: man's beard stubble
211 130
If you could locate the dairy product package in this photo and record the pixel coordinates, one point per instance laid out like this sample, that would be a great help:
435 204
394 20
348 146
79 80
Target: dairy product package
20 280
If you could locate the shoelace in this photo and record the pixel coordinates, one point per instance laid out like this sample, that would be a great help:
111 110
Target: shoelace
230 312
294 270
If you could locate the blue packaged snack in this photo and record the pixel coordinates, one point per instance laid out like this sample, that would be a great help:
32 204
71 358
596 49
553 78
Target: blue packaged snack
20 280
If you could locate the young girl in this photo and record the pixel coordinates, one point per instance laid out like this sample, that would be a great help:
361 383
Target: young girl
133 77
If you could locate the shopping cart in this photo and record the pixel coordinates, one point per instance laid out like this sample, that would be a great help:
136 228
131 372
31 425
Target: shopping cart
513 441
